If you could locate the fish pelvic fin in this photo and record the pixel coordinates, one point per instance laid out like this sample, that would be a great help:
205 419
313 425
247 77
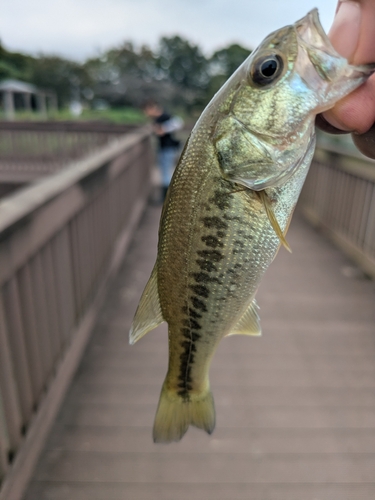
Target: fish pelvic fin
249 323
272 218
148 315
175 413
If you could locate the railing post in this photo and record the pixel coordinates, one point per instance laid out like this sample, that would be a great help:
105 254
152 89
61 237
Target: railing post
8 388
4 442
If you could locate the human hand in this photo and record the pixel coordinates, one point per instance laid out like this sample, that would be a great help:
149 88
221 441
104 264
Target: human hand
353 36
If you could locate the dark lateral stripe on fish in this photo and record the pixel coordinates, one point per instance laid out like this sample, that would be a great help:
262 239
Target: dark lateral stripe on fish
214 223
194 314
187 360
206 265
198 304
212 241
211 255
188 345
221 199
192 323
200 290
201 277
190 335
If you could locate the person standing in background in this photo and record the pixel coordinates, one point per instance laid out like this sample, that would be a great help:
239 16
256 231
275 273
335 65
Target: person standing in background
164 126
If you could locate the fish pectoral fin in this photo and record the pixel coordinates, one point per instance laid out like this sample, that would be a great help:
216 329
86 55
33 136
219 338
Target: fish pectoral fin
272 218
249 323
148 315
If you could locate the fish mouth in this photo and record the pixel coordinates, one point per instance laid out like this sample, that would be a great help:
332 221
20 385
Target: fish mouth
311 31
312 35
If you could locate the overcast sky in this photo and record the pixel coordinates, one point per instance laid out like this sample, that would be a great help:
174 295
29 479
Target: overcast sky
78 29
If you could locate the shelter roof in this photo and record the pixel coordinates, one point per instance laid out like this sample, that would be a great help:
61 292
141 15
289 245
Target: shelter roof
17 86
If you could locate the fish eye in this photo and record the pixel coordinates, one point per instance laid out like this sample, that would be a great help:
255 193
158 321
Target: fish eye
266 69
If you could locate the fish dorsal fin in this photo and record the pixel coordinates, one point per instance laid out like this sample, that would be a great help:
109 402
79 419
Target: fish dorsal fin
148 315
272 218
249 323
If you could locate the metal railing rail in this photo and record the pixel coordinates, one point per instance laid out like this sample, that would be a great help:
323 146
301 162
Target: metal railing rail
339 198
60 241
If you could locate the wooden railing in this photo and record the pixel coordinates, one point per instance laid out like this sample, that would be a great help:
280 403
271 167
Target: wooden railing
339 198
60 241
29 150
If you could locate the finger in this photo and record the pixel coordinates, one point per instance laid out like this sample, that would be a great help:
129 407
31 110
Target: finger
324 125
355 112
346 28
366 142
352 36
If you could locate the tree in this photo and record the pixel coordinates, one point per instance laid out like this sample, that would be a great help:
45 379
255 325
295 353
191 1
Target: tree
14 65
182 63
68 79
177 74
223 64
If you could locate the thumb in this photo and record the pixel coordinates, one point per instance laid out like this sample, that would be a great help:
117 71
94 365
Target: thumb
352 35
352 31
345 31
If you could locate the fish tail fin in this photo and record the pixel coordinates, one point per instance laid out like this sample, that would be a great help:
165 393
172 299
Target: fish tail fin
175 413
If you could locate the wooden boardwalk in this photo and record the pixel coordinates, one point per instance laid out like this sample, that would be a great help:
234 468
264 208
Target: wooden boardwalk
295 408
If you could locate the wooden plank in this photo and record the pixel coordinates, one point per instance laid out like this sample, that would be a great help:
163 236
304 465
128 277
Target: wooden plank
31 332
64 280
206 491
17 344
8 387
4 442
234 440
50 287
38 298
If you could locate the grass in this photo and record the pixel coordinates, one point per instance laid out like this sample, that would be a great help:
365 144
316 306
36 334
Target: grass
118 115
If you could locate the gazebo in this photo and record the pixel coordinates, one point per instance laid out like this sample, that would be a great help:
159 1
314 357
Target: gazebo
9 89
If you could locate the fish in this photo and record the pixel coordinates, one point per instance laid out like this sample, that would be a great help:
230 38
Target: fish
229 206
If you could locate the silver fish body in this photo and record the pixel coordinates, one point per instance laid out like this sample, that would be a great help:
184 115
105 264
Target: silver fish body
229 205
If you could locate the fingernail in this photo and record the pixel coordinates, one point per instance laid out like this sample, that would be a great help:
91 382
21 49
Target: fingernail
345 30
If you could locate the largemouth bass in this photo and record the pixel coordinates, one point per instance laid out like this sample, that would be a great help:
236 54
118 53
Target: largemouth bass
229 206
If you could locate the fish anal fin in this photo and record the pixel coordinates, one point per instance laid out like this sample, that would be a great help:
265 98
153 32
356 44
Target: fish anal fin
272 218
249 323
148 315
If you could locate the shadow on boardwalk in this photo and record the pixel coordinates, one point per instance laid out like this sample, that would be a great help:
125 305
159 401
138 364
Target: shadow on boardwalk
295 408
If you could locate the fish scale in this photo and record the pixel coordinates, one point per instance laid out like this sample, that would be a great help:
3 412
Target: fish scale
229 206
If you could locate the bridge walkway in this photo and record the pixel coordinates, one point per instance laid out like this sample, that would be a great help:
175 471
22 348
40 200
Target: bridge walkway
295 408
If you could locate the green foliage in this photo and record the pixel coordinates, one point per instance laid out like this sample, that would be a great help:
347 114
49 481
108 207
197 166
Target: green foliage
223 64
117 115
68 79
182 63
177 74
226 61
14 65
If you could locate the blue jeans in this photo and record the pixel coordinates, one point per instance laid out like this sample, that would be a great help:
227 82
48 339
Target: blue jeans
166 163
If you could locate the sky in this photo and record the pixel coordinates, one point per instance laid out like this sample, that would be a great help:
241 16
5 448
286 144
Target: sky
79 29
